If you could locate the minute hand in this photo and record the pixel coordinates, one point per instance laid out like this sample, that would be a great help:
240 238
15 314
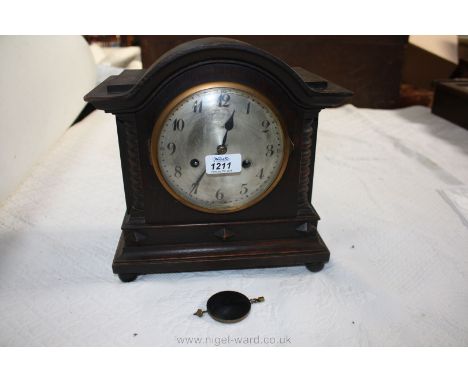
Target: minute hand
228 126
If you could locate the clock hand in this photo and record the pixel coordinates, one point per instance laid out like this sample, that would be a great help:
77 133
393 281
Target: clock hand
201 176
197 182
228 126
221 149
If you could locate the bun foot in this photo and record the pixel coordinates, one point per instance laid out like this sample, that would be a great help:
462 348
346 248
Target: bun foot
127 277
315 267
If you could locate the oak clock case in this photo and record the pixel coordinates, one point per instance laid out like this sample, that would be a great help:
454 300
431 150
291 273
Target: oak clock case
217 97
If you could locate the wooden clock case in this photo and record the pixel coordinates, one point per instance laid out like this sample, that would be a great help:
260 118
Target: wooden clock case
160 234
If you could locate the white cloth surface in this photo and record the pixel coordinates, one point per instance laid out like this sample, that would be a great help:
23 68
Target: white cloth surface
398 273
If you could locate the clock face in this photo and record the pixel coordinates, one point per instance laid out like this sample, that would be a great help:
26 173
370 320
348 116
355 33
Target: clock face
219 147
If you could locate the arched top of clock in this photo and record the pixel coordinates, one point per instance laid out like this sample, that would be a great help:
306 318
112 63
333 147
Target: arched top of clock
129 90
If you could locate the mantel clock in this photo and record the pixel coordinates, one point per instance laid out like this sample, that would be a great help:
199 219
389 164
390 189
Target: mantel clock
217 143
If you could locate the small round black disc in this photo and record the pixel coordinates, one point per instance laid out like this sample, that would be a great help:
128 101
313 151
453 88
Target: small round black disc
228 306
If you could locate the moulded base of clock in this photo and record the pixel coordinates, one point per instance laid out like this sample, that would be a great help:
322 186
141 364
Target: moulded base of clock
217 142
255 244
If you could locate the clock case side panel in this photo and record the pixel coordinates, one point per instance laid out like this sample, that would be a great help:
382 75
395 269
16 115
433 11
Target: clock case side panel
131 166
306 177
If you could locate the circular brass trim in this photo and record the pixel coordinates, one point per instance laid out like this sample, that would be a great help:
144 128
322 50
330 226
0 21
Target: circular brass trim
187 93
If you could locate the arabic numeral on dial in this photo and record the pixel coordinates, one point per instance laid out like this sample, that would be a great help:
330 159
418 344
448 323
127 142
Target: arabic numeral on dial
194 188
197 106
172 147
244 188
260 174
178 124
223 100
178 171
269 151
265 125
219 195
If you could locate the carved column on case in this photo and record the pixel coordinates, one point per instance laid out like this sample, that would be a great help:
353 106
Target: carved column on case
130 159
309 134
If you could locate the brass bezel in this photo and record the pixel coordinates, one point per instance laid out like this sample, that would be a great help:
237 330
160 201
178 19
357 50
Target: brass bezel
187 93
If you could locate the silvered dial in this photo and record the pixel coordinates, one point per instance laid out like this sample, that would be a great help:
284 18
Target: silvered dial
220 119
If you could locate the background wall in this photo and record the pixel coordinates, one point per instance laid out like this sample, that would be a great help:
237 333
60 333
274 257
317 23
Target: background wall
370 66
42 83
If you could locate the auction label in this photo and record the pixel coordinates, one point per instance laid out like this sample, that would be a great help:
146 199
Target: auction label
223 164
